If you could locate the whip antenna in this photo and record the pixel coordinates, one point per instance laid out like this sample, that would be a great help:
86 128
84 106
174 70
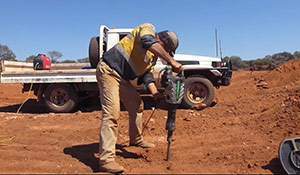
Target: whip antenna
217 47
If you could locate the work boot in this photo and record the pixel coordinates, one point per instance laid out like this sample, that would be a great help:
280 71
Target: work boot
143 144
111 167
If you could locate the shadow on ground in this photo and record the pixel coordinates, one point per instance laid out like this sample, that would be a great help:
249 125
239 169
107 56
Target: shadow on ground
87 154
274 166
32 106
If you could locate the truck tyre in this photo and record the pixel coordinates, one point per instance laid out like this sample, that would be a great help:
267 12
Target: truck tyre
60 98
94 52
198 91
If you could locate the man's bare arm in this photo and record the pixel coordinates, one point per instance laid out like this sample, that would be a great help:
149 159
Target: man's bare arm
159 51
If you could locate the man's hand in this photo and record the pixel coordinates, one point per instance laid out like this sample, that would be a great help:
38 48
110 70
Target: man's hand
176 67
159 51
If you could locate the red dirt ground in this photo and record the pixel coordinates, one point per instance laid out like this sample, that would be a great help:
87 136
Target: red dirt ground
240 134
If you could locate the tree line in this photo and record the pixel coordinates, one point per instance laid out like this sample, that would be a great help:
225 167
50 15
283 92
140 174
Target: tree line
269 62
7 54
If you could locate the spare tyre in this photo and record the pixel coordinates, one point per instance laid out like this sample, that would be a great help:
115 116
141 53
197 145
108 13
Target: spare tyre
94 51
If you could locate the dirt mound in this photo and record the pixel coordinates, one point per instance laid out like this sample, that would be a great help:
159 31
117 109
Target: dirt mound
279 92
293 65
240 134
286 75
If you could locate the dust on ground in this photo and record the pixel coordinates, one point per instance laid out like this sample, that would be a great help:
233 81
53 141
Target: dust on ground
240 134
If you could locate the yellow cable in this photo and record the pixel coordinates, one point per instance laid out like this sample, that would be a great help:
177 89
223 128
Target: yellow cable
28 95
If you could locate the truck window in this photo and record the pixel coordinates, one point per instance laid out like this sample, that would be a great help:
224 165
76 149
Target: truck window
104 46
122 36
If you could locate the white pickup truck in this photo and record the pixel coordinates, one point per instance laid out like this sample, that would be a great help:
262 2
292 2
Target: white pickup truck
64 86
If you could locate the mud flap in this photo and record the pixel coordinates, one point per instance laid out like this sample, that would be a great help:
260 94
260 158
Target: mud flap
289 155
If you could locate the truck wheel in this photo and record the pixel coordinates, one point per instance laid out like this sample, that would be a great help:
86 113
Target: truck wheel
94 51
197 91
60 98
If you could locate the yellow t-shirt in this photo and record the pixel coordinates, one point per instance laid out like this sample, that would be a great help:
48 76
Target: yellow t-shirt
130 57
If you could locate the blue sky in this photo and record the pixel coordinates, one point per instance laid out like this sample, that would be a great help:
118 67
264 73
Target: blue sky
248 28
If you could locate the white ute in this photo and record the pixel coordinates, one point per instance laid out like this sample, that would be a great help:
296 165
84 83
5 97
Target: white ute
64 86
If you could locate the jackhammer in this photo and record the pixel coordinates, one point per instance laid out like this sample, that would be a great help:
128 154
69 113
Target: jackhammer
174 91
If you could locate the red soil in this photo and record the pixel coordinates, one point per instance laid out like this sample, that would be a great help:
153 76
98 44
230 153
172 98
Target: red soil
240 134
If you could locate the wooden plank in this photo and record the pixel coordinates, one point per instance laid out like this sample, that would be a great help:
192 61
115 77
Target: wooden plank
2 66
17 64
17 69
61 66
49 79
23 66
50 72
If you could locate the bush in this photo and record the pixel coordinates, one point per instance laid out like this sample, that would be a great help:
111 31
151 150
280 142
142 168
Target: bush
269 62
6 53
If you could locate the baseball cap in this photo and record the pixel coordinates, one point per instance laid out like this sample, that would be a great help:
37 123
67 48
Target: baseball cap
170 40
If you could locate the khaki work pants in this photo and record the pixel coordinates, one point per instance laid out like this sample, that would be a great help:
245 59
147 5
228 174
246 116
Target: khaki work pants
112 89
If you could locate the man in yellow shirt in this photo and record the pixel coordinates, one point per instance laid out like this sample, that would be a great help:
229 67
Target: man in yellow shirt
133 57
